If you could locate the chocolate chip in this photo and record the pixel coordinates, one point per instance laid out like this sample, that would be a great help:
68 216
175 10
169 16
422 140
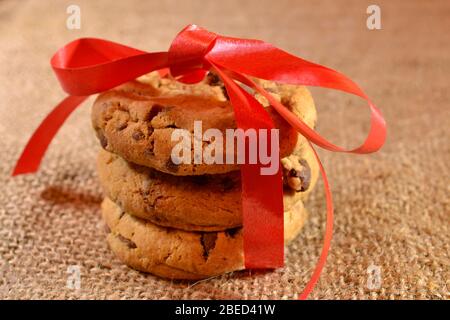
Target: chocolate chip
213 79
305 174
227 184
102 138
232 232
130 244
149 150
143 193
156 108
121 125
225 93
296 174
172 167
293 173
138 135
208 241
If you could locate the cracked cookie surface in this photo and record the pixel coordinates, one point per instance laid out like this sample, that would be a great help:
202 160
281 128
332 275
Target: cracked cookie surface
198 203
177 254
136 120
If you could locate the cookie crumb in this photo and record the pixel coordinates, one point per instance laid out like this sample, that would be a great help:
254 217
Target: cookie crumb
138 135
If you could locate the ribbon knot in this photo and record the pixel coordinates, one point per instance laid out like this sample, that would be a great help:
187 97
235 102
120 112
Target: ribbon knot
188 50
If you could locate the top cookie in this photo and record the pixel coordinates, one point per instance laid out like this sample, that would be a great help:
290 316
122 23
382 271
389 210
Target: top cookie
136 120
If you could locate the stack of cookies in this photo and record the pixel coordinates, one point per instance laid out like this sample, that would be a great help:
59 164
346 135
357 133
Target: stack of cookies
184 221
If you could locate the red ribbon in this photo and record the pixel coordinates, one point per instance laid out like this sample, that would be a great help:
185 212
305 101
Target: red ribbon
89 66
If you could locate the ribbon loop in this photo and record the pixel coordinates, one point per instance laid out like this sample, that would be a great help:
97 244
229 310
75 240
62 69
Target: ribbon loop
188 49
87 66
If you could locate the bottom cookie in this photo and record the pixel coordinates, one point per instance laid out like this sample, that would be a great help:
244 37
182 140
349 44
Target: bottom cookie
176 254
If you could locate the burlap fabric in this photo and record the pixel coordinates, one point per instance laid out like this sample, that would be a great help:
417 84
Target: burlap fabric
392 208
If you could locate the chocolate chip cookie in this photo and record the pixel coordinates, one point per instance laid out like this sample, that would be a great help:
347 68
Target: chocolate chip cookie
177 254
199 203
136 120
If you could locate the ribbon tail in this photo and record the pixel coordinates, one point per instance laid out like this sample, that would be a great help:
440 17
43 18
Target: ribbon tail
262 216
34 151
329 200
328 233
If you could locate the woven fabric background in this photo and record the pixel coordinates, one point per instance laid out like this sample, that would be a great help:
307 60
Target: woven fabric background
392 208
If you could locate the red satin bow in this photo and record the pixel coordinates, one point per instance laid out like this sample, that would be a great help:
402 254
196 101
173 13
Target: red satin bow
89 66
